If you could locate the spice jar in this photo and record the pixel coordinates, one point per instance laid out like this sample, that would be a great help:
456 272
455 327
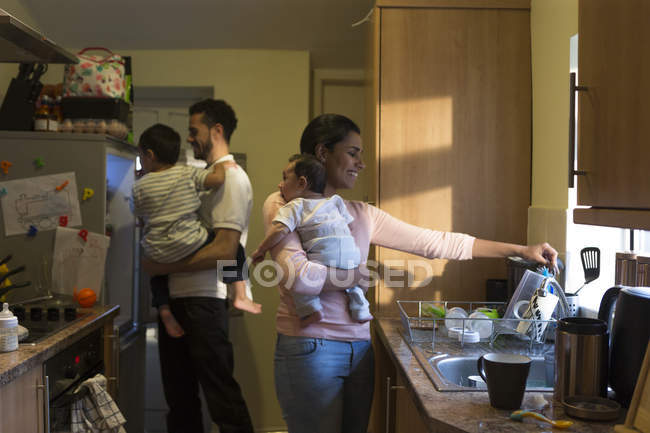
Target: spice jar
8 330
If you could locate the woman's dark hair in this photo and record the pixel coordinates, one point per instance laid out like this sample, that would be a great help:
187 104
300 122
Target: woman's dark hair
312 169
216 111
326 129
163 141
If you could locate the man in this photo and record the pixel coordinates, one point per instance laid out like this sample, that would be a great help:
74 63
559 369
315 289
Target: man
204 354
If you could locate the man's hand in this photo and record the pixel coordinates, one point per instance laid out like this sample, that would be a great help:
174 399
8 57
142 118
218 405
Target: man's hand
257 256
152 268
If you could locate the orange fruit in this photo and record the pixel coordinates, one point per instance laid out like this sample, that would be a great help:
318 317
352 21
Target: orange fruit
85 297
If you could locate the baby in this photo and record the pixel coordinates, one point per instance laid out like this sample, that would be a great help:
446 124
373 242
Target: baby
166 199
322 224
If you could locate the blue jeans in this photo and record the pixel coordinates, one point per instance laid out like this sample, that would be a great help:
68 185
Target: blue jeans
324 386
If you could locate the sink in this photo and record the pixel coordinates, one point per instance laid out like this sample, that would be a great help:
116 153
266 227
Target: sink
458 373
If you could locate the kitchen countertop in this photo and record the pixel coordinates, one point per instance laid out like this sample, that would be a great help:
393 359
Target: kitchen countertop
14 364
453 412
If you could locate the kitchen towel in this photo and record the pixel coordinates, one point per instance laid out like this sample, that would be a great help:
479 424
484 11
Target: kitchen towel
96 412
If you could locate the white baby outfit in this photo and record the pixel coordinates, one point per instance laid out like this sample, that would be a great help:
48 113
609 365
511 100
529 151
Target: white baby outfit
322 225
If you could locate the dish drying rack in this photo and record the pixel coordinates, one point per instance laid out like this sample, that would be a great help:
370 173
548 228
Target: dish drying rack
419 327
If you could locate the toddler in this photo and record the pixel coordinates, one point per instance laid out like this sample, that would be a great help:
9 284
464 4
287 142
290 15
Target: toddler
166 199
322 224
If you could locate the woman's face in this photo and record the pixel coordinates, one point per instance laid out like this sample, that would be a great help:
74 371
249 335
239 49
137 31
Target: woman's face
344 162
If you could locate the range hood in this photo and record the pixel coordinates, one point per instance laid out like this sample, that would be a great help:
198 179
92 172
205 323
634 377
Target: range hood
19 43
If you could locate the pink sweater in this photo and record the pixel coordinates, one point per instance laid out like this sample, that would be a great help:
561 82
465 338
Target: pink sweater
370 225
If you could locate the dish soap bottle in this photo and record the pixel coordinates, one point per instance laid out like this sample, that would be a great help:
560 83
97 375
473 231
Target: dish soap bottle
8 330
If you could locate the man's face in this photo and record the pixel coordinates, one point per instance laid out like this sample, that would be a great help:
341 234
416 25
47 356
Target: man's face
199 137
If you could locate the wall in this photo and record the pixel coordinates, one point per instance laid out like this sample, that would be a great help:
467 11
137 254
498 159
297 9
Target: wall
553 22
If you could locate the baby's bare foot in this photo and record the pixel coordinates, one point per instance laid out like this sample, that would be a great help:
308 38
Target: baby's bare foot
314 317
172 326
246 304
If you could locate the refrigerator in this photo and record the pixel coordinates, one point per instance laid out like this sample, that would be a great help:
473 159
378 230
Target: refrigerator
106 166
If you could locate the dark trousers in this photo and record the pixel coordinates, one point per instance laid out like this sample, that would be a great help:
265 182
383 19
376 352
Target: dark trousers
228 274
202 356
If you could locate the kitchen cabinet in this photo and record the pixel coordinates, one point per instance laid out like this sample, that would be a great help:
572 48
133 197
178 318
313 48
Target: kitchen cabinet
613 108
22 403
398 411
450 83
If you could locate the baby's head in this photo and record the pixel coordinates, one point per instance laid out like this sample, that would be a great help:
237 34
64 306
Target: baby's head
303 174
159 146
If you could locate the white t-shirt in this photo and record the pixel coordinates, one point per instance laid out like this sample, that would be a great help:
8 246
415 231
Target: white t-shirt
227 207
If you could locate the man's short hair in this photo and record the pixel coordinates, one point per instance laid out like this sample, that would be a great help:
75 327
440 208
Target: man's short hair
216 111
163 141
313 170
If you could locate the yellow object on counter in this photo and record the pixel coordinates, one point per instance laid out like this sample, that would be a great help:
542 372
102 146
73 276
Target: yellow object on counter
519 415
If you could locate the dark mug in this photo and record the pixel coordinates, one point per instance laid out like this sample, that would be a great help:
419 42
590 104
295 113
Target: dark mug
505 375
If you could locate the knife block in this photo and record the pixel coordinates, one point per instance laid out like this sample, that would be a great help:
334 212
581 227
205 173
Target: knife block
17 111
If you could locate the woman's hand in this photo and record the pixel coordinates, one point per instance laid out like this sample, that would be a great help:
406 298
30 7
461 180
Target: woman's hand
541 253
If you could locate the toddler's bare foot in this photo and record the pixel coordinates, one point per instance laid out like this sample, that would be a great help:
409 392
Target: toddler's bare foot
314 317
172 327
246 304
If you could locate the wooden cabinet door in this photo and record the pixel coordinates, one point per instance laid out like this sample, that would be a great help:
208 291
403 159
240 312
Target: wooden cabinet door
22 402
454 138
613 125
407 417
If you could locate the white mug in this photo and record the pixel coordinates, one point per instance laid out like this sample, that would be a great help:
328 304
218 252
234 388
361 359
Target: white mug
538 308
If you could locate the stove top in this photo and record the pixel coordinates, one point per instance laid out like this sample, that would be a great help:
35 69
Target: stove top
45 318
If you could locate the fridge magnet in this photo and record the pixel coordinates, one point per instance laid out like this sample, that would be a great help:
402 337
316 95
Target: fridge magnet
88 192
32 231
4 166
38 162
35 201
78 264
63 185
83 234
63 221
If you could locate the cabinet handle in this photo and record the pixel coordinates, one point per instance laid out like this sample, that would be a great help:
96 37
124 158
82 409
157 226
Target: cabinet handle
389 388
116 359
573 88
46 402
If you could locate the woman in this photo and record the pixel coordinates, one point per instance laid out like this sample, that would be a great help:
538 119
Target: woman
324 372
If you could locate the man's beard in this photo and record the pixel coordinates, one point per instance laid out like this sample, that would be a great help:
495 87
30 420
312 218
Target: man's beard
202 151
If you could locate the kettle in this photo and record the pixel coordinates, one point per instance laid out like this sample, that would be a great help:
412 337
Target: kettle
626 310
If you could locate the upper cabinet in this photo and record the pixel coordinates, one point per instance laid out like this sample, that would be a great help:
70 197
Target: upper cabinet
451 90
613 152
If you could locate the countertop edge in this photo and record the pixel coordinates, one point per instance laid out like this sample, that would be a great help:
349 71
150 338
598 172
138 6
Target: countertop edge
14 364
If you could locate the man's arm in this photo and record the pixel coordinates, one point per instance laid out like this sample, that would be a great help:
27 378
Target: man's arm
223 247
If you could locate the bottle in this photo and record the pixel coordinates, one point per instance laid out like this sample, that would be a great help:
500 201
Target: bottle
55 113
42 116
8 330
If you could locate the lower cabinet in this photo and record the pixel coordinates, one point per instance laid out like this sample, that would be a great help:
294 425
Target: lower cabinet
393 410
22 403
